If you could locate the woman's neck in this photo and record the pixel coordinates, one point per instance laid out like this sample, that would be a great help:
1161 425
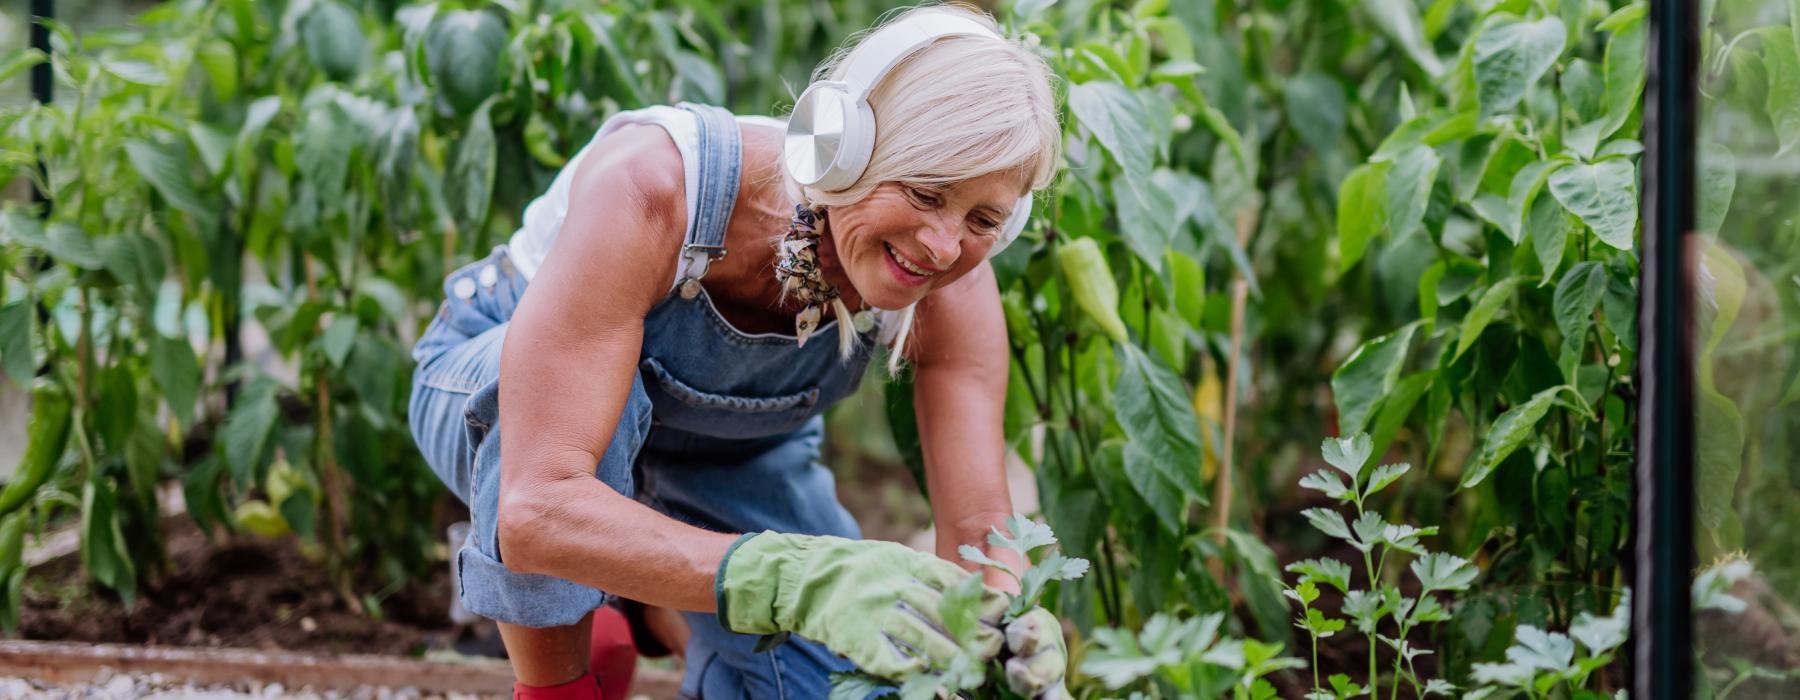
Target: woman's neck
743 283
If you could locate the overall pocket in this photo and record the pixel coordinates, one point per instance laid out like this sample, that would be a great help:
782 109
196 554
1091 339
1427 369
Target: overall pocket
688 408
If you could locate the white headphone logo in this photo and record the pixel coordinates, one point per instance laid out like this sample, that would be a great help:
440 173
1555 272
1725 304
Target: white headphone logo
831 133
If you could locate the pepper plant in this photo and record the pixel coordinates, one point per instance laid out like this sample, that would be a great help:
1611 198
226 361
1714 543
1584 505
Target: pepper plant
251 207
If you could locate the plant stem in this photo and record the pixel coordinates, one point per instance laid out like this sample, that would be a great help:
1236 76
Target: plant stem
1315 651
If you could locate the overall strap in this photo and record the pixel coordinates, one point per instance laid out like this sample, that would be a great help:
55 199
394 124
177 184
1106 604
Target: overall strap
720 152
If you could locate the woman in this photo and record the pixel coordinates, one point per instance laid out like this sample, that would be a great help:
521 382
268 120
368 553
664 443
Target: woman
639 346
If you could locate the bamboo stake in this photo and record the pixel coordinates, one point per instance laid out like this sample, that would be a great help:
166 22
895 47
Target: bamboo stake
1240 291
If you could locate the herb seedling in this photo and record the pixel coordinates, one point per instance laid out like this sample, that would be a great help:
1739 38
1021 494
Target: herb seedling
967 674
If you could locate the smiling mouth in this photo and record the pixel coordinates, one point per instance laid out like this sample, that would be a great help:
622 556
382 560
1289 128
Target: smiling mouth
905 264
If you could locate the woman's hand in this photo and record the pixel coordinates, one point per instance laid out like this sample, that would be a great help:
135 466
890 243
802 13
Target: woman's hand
1040 658
874 602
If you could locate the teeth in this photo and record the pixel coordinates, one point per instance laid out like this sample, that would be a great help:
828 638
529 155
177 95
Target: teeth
902 262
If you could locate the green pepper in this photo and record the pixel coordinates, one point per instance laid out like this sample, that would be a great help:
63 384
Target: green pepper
45 436
12 543
1084 268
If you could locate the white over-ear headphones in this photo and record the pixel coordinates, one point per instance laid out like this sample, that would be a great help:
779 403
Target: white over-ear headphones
831 133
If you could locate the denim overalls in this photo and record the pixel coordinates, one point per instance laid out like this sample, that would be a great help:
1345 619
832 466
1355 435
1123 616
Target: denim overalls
721 431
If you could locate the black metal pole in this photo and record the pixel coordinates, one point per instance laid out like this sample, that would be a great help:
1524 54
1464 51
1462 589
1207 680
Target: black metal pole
43 82
1662 622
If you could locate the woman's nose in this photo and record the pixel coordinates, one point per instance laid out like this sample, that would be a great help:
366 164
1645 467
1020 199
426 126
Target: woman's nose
941 243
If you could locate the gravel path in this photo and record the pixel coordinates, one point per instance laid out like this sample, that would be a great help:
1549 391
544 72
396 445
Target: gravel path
124 686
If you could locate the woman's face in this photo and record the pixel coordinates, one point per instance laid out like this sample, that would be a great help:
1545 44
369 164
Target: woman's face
905 240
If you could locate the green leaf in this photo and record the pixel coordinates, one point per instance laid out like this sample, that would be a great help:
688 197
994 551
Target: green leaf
1620 306
1603 634
1022 535
1482 313
960 608
1317 624
69 244
245 434
338 337
1328 483
1604 195
1550 226
1576 296
463 51
12 62
1584 90
1384 476
1507 433
165 166
1329 522
1156 415
1365 608
1717 183
1428 291
1719 458
213 145
1056 567
471 180
1369 374
1409 183
1510 56
15 342
177 374
1148 216
1444 572
1624 68
1330 572
1534 648
1151 478
1399 20
1783 61
322 152
1361 211
135 72
1117 660
855 685
334 41
1089 278
1116 117
1370 530
1348 454
1523 193
1315 104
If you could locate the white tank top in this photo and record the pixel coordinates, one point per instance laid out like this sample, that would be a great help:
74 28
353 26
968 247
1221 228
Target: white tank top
544 215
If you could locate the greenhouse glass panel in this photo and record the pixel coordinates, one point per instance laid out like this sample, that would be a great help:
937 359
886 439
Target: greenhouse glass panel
1743 321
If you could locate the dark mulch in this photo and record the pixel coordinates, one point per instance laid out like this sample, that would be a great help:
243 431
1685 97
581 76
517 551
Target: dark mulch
234 591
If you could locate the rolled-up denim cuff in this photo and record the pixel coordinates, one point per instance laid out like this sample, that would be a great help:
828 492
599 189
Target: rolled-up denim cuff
492 591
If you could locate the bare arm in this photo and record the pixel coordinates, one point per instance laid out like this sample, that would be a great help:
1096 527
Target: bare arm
566 372
960 364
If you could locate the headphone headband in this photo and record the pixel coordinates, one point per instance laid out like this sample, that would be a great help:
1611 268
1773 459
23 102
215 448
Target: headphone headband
880 51
831 132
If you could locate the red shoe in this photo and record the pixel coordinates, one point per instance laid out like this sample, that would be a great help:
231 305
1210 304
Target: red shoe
612 657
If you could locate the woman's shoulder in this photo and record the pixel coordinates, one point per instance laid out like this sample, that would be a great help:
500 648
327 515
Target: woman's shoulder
641 160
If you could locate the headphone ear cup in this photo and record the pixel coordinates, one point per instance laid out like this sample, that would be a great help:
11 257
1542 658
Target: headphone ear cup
830 136
857 147
1015 224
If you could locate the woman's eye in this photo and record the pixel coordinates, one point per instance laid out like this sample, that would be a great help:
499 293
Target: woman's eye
987 225
923 197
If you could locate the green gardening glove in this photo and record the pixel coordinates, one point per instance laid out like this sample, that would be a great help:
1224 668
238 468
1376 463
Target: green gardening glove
1040 659
876 603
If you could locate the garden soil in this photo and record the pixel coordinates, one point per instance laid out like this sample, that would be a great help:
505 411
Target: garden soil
234 591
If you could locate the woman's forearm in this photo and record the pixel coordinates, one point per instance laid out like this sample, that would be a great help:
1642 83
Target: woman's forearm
964 449
584 531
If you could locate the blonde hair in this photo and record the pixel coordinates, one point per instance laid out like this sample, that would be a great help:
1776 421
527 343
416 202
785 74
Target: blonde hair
958 109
